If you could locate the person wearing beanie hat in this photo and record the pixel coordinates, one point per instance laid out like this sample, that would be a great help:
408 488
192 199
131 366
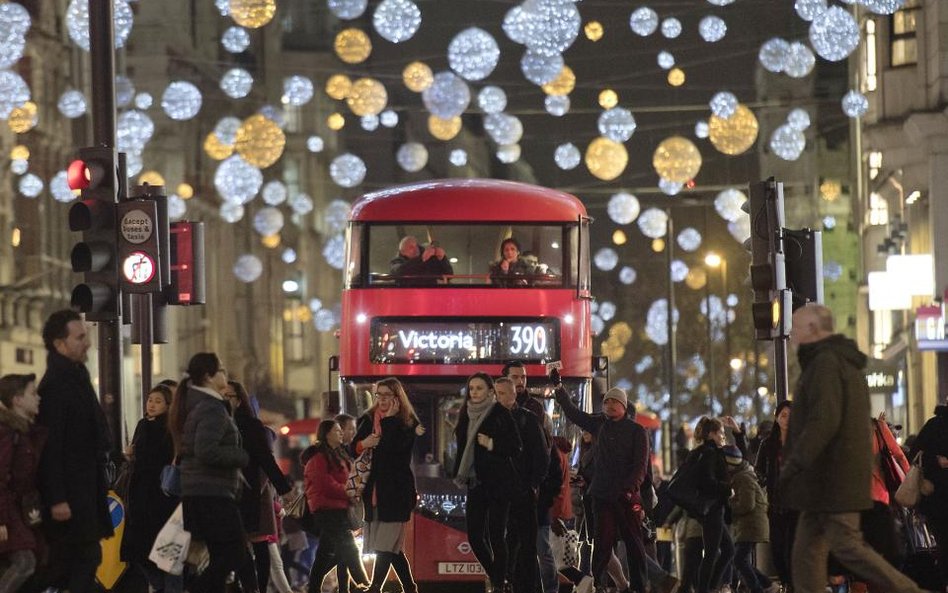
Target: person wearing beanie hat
749 522
733 455
621 460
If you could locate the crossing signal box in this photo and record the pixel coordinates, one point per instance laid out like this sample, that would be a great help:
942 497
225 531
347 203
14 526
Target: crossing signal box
803 250
767 271
96 177
187 264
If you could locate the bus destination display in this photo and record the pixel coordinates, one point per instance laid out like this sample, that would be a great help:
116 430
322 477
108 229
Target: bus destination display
464 342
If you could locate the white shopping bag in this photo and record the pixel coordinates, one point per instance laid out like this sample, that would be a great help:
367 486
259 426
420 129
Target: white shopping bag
565 549
170 550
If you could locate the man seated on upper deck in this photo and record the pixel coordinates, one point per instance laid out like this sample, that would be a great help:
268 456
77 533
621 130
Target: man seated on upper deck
414 267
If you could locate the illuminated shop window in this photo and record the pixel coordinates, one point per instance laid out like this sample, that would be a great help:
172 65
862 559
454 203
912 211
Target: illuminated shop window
903 34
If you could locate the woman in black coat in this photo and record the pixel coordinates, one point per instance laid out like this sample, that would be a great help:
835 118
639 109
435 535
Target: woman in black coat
147 507
783 520
388 429
932 442
715 486
488 442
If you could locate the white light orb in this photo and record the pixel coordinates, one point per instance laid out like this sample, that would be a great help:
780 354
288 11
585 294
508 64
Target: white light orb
274 114
334 251
274 193
643 21
14 19
124 91
653 223
669 187
458 157
671 28
627 275
72 103
297 90
728 204
883 6
810 9
492 99
606 259
607 310
235 39
556 105
226 129
268 221
12 45
689 239
13 92
617 124
347 170
712 29
596 324
514 25
723 104
656 322
77 22
315 144
223 7
336 216
448 96
798 119
567 156
301 204
143 101
59 187
133 164
773 54
473 54
678 271
388 118
369 122
834 34
740 229
787 143
248 268
508 153
324 320
800 60
623 208
541 69
177 207
551 25
19 166
412 156
702 130
236 180
133 130
397 20
288 256
231 212
721 2
503 128
665 60
855 104
347 9
181 101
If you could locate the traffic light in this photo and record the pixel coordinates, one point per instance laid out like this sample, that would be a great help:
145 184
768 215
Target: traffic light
767 271
803 257
144 262
95 175
187 264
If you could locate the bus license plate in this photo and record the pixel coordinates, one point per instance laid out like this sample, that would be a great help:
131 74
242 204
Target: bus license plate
460 568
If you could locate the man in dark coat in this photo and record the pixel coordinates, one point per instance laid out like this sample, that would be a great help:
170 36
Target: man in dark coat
621 462
416 267
73 479
827 470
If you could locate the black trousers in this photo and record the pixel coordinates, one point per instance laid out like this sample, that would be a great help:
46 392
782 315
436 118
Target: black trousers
614 520
216 520
523 571
336 548
486 531
72 565
718 549
783 528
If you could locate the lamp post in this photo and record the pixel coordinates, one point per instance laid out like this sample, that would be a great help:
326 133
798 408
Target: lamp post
715 261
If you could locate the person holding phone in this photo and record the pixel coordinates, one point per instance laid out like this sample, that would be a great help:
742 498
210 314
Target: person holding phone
414 266
511 269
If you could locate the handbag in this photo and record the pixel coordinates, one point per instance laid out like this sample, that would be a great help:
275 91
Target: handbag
172 544
565 549
684 489
914 486
359 474
299 509
171 480
892 474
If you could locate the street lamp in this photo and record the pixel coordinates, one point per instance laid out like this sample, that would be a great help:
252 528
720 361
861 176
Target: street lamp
716 261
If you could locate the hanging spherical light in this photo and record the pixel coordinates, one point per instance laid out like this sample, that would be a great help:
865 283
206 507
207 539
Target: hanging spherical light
23 119
352 46
567 156
608 99
643 21
77 22
260 141
417 76
19 153
689 239
13 92
412 156
617 124
671 28
444 129
623 208
798 119
556 105
397 20
503 128
787 143
834 34
297 90
800 60
736 134
236 83
335 121
72 103
184 191
274 193
268 221
665 60
563 84
723 104
216 149
252 14
248 268
458 157
712 29
448 95
593 31
551 26
606 159
133 130
301 204
773 55
473 54
492 99
539 68
367 97
338 86
181 100
508 153
235 39
677 159
59 187
728 204
855 104
30 185
676 77
347 170
347 9
237 181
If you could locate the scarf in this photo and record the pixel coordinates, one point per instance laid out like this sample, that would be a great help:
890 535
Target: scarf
476 413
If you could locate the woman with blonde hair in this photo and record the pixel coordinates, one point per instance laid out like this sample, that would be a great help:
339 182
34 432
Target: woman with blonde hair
388 428
715 486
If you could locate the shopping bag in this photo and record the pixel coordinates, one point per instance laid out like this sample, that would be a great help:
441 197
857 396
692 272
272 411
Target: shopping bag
565 549
359 474
914 486
170 550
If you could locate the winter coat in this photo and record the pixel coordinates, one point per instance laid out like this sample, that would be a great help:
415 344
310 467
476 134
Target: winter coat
260 469
621 453
325 483
494 469
211 453
415 271
933 441
767 467
534 458
563 503
21 444
389 493
828 462
519 273
715 484
749 521
72 466
147 508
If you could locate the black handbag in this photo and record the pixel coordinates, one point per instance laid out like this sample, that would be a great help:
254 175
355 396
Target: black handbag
684 489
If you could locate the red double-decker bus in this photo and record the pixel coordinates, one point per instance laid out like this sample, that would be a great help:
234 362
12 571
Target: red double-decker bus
434 331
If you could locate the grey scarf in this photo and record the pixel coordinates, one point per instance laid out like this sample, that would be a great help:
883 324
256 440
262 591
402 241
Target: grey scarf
476 413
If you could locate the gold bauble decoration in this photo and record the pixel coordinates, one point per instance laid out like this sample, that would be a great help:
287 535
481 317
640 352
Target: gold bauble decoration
619 237
336 121
338 86
216 149
612 349
417 76
252 14
658 245
696 278
23 119
19 153
563 84
606 159
593 30
621 331
185 191
608 99
736 134
367 97
830 190
271 241
153 178
444 129
352 46
676 77
260 141
677 159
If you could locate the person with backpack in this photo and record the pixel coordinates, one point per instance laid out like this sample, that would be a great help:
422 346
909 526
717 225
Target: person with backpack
748 520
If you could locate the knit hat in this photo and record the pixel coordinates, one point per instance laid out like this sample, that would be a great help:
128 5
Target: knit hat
618 395
733 455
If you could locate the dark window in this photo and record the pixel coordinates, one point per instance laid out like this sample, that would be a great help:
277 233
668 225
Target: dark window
903 34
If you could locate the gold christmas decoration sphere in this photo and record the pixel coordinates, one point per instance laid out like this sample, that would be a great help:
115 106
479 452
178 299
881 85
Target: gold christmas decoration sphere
621 331
151 178
563 84
252 14
606 159
608 99
618 237
271 241
677 159
676 77
260 141
23 119
185 191
830 190
367 97
612 349
444 129
658 245
336 121
338 86
216 149
417 77
593 30
736 134
352 46
19 153
696 278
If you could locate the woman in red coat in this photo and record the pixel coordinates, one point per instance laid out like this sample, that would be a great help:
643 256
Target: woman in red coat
324 479
21 443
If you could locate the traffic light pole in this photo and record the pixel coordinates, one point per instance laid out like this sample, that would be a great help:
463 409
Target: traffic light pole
782 386
101 44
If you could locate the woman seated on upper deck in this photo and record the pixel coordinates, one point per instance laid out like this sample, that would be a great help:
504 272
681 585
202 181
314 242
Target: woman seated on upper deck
512 269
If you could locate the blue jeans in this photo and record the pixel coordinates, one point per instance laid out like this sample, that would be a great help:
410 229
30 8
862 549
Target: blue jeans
549 578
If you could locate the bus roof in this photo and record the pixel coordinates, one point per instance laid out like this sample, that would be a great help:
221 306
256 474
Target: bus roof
468 200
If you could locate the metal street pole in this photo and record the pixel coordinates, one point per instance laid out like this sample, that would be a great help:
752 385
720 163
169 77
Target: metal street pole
671 356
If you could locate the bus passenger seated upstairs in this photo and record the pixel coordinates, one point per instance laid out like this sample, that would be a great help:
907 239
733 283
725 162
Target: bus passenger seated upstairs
414 267
512 269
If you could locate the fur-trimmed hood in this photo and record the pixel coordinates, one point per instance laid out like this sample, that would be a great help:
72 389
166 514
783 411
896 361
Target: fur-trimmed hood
13 421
